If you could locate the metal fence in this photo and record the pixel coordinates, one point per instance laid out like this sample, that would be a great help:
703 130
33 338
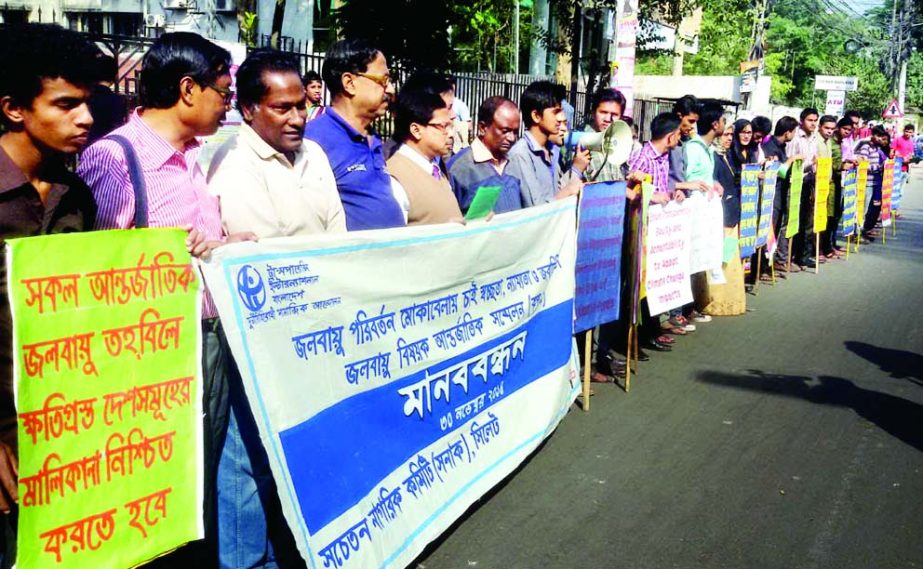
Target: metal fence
471 87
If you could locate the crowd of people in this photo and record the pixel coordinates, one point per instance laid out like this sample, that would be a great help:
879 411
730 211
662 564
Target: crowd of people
297 167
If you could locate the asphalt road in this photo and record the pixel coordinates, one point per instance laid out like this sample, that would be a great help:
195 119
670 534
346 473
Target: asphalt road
791 437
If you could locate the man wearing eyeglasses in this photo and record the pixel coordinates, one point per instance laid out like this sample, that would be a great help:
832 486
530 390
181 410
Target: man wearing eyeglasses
421 127
185 93
356 74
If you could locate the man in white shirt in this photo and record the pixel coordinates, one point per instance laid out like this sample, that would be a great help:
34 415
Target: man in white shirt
269 179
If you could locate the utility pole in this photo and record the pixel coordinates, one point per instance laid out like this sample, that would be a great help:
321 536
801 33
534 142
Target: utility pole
904 53
575 41
538 54
892 51
514 59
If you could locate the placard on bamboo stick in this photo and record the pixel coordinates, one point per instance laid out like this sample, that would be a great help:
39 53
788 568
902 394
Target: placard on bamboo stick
862 179
767 196
794 199
821 193
887 189
600 225
749 208
108 393
850 182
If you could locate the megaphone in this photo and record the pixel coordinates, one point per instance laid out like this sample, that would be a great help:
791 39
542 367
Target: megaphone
615 142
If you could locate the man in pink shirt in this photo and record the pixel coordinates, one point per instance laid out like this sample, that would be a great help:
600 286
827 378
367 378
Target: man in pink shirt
145 174
903 146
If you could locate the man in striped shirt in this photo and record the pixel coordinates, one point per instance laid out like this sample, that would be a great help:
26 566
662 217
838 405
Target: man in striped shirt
653 158
185 93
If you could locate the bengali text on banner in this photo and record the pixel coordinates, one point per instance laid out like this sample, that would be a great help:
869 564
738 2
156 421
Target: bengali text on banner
862 178
887 191
767 196
108 393
388 370
749 208
848 222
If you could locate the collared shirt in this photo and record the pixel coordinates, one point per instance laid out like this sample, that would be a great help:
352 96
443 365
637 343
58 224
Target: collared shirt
261 191
600 169
400 194
177 195
649 161
677 161
848 147
461 110
806 145
358 164
903 148
824 147
536 169
68 207
480 153
475 167
700 161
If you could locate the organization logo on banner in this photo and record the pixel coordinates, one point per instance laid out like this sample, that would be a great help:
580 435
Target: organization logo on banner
251 289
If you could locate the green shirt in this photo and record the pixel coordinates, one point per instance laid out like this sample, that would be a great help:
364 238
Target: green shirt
700 161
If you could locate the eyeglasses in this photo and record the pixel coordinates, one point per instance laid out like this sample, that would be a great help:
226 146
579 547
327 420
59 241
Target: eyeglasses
223 91
383 80
442 127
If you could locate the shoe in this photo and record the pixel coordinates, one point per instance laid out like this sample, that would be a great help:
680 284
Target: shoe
681 322
807 262
642 355
611 367
699 317
666 340
657 346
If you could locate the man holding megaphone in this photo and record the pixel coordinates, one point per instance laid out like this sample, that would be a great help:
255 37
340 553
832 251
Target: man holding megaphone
534 159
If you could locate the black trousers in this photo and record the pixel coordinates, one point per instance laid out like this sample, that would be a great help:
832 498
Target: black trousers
804 241
780 221
828 238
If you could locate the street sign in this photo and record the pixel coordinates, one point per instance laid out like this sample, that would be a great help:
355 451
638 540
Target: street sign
892 111
836 103
835 83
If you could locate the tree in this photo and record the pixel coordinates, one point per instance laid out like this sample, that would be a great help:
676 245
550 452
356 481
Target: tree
413 33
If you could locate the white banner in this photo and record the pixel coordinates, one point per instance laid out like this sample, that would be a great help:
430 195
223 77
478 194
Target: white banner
389 371
707 232
666 254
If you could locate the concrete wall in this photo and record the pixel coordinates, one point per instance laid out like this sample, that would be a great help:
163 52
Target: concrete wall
204 19
674 87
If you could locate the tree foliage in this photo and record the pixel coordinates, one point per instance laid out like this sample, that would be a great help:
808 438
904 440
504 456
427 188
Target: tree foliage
411 32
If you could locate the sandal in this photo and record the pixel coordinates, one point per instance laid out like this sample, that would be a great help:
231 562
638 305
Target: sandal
665 340
675 330
599 377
